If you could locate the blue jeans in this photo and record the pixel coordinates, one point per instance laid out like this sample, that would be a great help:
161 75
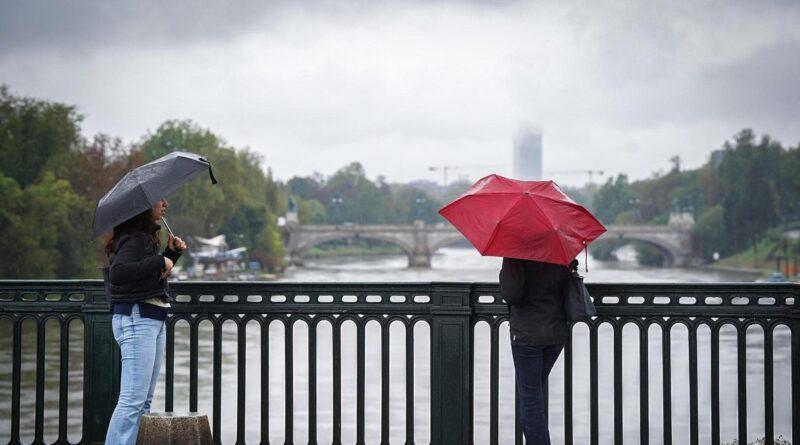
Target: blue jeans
533 365
141 342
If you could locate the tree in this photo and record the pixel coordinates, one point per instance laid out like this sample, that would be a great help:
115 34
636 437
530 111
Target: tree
44 231
613 198
708 233
748 174
35 135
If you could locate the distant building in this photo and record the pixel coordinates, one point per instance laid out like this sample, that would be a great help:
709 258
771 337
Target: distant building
528 155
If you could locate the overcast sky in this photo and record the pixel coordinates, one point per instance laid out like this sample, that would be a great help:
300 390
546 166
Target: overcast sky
619 86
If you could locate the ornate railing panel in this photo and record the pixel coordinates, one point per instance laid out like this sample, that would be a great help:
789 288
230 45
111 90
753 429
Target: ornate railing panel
451 314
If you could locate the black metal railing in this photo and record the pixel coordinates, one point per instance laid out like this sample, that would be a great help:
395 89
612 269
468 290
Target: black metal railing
724 317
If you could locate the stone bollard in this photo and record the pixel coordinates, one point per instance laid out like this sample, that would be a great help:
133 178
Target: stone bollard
174 429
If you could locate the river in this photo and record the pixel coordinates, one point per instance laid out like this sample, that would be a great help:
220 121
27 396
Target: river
449 264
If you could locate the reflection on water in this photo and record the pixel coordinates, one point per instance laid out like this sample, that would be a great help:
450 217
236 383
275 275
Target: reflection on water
448 265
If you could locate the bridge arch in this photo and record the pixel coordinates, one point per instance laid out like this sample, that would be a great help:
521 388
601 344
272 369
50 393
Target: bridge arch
445 241
670 254
301 250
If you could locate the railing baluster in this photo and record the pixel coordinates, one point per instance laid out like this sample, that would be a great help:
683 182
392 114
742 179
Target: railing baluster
769 410
568 387
216 422
715 423
644 385
169 396
193 364
795 354
337 382
409 383
288 348
265 381
360 383
594 433
494 384
384 383
312 383
16 373
471 411
39 415
693 409
618 412
666 367
63 382
241 382
741 370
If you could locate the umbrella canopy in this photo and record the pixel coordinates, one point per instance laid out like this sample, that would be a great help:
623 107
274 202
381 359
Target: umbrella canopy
531 220
142 187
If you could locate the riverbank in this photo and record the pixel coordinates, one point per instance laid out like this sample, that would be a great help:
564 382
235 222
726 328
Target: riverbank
739 270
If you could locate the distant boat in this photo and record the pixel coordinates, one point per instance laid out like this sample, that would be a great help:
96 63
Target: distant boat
776 277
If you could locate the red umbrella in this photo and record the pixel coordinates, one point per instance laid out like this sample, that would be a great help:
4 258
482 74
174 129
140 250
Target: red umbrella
531 220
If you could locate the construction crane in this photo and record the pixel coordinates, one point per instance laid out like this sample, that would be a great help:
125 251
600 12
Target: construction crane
591 173
447 168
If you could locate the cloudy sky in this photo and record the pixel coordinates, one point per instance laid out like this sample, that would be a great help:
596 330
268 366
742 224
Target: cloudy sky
619 86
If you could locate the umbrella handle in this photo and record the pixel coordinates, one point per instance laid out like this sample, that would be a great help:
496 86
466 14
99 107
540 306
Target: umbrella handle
585 256
164 220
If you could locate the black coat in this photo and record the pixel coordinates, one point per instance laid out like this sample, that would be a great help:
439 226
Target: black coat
135 269
535 293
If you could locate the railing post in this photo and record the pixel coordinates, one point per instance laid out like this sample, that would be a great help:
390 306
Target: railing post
796 373
101 367
450 365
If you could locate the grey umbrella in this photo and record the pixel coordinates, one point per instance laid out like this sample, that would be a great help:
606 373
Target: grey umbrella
142 187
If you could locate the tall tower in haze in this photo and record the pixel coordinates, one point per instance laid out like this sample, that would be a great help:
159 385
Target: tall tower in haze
528 155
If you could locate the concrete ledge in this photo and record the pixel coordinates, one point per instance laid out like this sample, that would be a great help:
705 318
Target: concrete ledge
174 429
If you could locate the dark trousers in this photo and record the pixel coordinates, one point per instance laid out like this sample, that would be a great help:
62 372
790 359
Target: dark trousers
533 365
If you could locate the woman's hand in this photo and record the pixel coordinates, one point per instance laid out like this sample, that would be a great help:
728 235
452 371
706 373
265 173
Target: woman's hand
167 267
176 244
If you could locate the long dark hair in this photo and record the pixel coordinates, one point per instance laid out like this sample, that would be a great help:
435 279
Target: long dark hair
139 223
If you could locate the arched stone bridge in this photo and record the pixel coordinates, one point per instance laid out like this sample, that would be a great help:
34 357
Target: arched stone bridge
420 241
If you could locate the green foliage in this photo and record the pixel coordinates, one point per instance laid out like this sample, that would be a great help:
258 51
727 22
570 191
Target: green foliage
311 211
43 230
751 187
748 176
708 233
350 197
613 198
34 136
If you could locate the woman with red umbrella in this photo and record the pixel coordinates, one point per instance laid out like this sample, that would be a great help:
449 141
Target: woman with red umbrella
535 293
538 230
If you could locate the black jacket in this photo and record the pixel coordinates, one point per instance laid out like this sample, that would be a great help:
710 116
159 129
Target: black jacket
535 293
135 269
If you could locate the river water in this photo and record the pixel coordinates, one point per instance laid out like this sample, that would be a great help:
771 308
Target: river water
449 264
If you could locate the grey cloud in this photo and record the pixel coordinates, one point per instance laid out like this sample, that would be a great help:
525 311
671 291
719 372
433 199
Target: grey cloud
765 84
81 25
27 25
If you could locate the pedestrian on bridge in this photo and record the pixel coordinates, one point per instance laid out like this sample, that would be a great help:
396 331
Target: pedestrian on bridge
535 292
137 280
538 230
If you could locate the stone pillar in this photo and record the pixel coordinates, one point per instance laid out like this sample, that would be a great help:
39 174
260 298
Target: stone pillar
421 256
174 429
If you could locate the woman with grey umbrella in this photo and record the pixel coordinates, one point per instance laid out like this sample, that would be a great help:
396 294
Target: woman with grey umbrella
137 283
